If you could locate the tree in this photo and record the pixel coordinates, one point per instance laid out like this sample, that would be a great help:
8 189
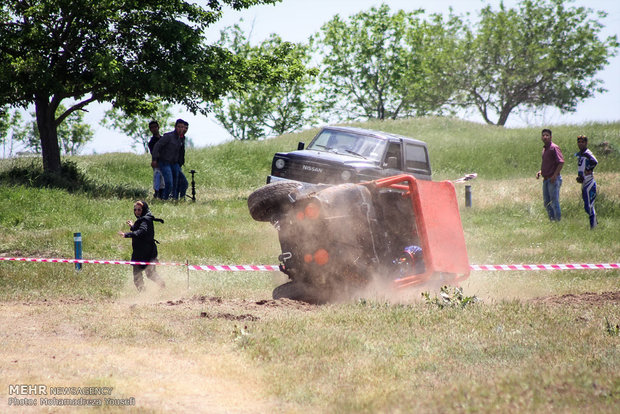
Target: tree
115 51
259 109
73 133
541 54
135 125
382 65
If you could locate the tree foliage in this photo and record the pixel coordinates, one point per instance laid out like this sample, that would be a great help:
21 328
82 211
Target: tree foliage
117 51
135 125
542 53
259 108
383 65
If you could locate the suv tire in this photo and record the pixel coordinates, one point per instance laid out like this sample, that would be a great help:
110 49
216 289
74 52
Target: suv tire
298 291
268 200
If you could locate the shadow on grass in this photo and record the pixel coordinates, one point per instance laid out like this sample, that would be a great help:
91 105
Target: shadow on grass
70 178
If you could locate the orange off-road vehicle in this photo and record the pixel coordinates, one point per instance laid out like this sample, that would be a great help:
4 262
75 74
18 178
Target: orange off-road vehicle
337 239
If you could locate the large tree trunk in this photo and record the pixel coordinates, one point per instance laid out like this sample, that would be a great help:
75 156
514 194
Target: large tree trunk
50 149
503 116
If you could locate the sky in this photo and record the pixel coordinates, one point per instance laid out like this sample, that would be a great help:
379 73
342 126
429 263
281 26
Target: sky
296 20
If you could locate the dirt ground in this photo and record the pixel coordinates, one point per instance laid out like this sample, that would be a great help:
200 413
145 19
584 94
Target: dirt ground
51 342
66 343
581 299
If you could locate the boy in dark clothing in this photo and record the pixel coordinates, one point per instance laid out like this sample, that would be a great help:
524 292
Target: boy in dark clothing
158 179
142 234
154 128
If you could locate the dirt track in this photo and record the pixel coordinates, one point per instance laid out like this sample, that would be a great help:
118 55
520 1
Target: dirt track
86 343
77 343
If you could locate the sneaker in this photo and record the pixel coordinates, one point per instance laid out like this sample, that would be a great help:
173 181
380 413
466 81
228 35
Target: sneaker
593 225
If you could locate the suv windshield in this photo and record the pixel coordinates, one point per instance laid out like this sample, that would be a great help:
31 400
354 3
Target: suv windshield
347 143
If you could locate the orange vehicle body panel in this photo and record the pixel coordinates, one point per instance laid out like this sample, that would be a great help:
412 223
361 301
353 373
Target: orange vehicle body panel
439 227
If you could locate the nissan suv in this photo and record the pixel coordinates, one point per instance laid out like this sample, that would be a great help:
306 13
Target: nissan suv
350 155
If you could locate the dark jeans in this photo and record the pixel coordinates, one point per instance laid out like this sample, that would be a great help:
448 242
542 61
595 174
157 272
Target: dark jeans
182 185
551 198
170 172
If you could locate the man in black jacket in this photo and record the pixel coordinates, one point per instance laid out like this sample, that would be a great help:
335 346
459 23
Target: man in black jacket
165 156
182 183
142 234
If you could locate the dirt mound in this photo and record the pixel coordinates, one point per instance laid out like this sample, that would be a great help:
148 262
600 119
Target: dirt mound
588 298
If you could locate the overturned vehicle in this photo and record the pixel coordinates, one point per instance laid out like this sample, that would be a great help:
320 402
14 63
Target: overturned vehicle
338 239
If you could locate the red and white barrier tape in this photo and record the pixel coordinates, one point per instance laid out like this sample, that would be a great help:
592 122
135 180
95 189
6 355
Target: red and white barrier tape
570 266
61 260
272 268
239 268
222 268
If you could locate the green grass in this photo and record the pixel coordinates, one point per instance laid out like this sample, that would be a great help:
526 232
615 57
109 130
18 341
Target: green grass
505 357
507 353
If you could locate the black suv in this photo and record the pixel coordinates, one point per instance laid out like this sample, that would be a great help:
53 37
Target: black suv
350 155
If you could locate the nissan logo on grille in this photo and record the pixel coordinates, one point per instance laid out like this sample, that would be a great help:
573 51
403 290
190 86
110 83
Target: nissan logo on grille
310 168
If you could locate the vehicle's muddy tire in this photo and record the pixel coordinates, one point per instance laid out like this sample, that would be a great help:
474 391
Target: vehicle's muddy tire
268 200
298 291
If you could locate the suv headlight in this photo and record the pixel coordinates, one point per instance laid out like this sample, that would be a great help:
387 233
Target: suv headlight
280 163
346 175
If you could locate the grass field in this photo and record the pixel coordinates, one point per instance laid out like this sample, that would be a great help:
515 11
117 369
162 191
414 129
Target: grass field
544 341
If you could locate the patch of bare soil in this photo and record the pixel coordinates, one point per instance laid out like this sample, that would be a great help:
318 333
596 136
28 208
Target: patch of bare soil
588 298
264 305
232 309
60 301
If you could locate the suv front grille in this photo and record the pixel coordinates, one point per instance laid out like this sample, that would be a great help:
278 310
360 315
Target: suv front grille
310 172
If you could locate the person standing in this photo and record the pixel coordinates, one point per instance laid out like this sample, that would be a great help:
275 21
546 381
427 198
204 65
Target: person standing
158 179
552 163
585 167
182 183
165 156
143 243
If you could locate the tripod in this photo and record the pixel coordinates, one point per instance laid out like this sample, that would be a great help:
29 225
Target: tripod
193 197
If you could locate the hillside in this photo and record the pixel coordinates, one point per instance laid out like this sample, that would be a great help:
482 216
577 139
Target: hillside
544 341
